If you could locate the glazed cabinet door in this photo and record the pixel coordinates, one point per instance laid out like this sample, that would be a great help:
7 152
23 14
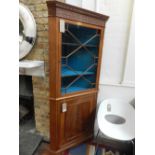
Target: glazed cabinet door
77 118
79 57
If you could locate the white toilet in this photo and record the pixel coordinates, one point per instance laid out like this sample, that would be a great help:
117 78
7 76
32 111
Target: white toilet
116 119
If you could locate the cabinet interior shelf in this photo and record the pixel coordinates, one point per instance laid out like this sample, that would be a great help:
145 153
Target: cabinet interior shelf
65 72
75 44
72 89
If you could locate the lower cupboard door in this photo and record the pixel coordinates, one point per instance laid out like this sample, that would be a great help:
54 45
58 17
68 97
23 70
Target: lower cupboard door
77 118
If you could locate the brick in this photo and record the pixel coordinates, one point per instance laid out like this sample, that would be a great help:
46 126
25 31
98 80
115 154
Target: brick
40 14
35 1
24 2
40 92
42 46
46 56
42 34
42 27
40 7
36 54
42 40
42 85
42 20
37 80
31 7
47 67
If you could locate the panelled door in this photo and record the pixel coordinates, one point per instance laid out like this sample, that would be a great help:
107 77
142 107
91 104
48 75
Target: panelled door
76 117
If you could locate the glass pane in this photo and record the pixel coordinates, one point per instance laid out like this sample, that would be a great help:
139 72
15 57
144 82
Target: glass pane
79 58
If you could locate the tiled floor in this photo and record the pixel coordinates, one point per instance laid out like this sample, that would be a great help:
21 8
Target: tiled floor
29 139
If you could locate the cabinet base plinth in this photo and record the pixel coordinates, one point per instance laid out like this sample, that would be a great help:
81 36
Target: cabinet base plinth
48 151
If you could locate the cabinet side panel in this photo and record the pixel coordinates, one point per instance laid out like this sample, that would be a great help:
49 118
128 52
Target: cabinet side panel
54 125
100 57
54 56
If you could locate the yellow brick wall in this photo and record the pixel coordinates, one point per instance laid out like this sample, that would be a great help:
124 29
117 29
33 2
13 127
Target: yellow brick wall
40 52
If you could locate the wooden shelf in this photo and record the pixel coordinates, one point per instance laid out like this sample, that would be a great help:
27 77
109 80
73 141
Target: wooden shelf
75 44
72 89
66 72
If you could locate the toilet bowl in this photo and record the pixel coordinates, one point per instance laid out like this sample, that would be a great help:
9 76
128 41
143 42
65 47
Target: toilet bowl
116 119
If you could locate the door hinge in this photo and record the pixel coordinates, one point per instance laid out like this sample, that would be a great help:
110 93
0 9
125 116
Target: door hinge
64 107
62 25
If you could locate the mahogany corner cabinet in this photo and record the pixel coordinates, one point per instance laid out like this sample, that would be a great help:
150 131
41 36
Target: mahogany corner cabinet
75 51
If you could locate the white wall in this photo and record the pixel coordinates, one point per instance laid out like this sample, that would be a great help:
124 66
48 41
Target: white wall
75 2
117 70
129 70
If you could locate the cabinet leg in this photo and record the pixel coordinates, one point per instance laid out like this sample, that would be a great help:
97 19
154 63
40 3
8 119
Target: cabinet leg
52 153
90 149
48 151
